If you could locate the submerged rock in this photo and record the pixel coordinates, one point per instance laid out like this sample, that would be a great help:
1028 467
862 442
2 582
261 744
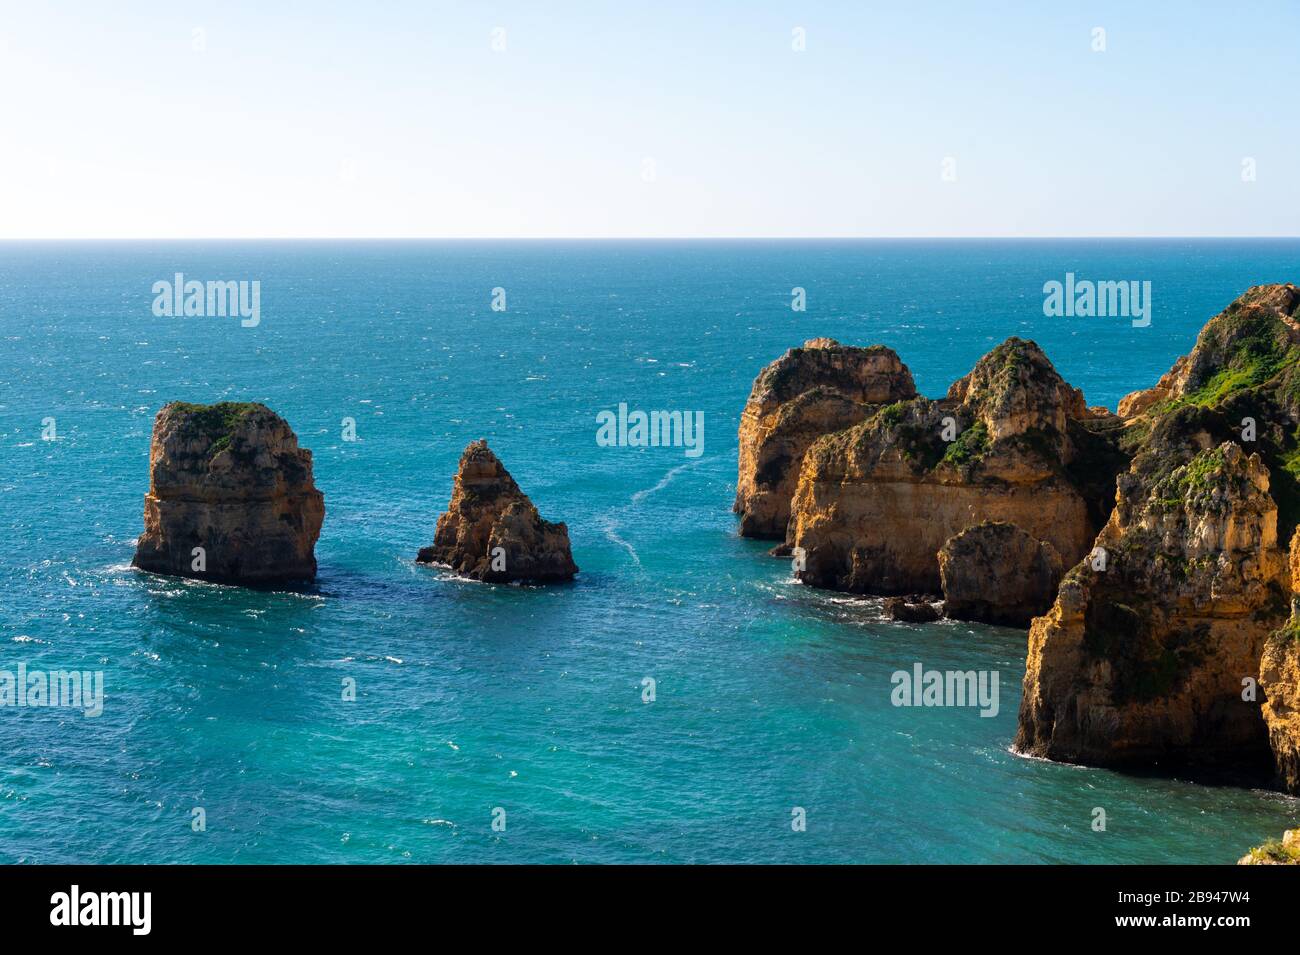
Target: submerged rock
1011 442
996 573
231 497
1149 653
806 393
492 532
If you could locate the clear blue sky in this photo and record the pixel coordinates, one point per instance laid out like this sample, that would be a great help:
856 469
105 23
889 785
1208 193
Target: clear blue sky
399 119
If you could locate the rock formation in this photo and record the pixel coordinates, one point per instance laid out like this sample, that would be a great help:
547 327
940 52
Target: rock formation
230 480
1279 678
1150 649
996 573
806 393
911 609
1285 852
492 532
1011 442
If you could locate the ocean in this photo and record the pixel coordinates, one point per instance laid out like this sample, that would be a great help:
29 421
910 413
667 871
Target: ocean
224 736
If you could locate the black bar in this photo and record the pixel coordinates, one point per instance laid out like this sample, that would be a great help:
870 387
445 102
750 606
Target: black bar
211 904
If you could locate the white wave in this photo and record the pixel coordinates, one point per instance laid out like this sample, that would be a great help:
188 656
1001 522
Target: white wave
610 533
664 481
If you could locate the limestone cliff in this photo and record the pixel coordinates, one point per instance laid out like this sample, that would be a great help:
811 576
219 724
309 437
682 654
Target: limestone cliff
230 481
996 573
492 532
1148 652
1011 442
806 393
1279 679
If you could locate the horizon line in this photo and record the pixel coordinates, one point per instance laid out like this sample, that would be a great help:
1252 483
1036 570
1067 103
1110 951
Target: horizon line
650 238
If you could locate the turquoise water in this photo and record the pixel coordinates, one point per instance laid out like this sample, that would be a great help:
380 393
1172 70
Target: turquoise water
470 697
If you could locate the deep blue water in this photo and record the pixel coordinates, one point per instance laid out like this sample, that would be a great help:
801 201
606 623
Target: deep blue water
471 697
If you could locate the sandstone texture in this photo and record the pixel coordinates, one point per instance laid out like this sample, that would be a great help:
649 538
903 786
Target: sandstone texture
1011 442
1148 652
492 532
230 479
994 572
1279 678
806 393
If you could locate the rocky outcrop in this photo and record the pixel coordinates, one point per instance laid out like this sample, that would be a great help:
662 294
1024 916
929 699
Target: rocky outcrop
1143 655
1137 402
913 609
231 497
994 572
806 393
1011 442
1150 649
1279 679
492 532
1285 852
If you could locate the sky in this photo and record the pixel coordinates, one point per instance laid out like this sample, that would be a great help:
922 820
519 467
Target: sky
285 119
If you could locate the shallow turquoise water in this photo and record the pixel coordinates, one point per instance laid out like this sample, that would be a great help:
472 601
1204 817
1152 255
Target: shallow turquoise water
472 697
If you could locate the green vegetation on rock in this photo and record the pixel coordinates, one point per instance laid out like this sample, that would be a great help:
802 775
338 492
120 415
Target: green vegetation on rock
971 445
216 423
1275 852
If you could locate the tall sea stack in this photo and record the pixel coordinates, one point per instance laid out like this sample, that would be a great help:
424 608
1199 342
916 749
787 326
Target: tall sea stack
231 497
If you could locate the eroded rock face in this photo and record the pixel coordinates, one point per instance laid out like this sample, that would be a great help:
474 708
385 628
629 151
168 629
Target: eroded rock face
996 573
875 503
1144 661
806 393
1279 679
230 479
1137 402
492 532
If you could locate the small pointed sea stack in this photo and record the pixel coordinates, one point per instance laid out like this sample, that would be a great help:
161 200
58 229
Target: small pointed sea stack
231 497
492 532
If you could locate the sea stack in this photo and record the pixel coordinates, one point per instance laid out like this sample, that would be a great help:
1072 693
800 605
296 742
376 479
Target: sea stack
806 393
1011 442
1152 651
231 497
492 532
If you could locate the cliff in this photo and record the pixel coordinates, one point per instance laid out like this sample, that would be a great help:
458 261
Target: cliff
492 532
1011 442
806 393
1147 656
1279 679
231 480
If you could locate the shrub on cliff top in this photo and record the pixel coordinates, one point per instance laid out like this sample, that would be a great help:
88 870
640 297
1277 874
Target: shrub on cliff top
215 423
